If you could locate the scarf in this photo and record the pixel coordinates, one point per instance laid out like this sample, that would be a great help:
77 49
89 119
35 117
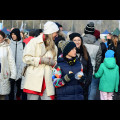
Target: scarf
71 61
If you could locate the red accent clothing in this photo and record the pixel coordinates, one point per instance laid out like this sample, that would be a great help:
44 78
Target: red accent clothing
43 85
39 93
27 39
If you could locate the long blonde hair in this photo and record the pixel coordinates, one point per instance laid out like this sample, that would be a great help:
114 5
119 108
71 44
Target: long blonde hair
49 44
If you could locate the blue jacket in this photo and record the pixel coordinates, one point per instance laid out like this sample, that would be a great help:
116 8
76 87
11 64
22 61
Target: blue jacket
72 90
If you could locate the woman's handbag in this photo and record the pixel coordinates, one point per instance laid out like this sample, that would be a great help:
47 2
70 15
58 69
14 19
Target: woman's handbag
24 70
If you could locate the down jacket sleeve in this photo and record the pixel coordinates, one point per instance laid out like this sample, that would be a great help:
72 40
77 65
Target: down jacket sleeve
29 54
11 64
56 77
98 59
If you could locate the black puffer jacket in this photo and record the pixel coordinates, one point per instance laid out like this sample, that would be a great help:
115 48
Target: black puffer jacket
87 70
100 55
118 60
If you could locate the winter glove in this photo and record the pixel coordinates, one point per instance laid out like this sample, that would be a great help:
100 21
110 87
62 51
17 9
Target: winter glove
68 77
47 61
52 62
82 79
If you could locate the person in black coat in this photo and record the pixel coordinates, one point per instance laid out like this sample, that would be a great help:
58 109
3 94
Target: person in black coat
118 63
103 47
113 44
85 59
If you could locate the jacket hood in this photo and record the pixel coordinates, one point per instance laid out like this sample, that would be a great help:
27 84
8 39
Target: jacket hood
89 39
110 63
16 31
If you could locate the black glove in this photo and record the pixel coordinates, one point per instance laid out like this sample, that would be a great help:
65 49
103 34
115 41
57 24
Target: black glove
68 77
83 78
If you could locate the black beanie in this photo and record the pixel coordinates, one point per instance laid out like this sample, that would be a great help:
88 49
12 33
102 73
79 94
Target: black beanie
16 31
66 47
73 35
89 29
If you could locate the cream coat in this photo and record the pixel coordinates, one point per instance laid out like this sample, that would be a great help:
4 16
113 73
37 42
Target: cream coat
8 68
35 72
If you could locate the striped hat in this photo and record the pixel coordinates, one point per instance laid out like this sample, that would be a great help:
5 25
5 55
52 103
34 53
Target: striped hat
89 29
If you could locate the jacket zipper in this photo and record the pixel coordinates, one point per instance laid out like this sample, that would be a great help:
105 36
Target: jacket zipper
16 52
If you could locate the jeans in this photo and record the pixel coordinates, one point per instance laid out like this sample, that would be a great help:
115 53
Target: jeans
18 90
93 88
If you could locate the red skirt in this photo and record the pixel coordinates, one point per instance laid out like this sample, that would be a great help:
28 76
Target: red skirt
39 93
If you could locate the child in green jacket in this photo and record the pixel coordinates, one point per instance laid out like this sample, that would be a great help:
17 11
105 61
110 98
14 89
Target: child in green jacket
109 76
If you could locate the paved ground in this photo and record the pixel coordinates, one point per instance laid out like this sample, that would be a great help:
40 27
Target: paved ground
97 96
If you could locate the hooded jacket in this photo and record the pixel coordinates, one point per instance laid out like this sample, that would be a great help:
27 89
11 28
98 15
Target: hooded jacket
8 68
17 50
90 43
109 75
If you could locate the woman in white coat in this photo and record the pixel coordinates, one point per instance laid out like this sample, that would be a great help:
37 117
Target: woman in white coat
7 66
40 55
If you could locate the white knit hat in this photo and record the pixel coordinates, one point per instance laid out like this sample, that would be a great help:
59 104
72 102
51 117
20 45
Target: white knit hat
50 27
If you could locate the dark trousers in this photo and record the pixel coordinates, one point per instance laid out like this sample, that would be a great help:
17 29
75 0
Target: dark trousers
18 89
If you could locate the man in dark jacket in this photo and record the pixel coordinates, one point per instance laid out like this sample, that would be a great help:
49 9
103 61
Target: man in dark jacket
90 43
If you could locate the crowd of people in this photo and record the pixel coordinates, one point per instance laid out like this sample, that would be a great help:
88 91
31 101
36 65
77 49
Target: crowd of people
50 65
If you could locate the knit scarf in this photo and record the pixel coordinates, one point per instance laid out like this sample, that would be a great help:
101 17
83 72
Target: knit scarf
71 61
